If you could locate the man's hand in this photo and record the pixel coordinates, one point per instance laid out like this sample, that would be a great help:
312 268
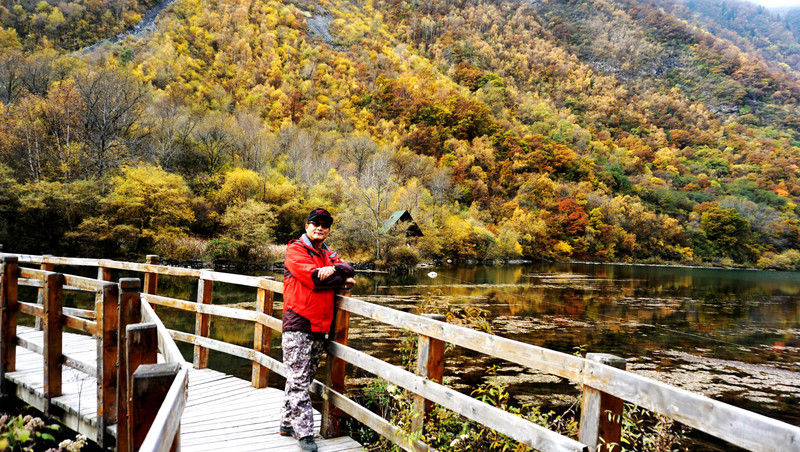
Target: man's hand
348 283
324 272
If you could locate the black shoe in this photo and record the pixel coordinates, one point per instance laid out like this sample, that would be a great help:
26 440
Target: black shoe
307 444
286 430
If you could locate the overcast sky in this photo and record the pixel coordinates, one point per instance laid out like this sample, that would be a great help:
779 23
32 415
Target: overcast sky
777 3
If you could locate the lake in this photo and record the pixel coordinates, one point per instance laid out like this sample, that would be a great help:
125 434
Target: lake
733 335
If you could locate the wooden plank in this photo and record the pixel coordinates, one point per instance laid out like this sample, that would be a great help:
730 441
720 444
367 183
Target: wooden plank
51 329
202 326
235 399
32 273
30 308
28 282
735 425
235 350
75 312
81 365
149 268
79 324
221 393
9 274
269 419
262 337
81 283
260 430
204 376
263 282
222 311
273 444
506 423
204 415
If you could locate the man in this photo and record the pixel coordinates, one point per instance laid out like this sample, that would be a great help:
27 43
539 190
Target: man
312 273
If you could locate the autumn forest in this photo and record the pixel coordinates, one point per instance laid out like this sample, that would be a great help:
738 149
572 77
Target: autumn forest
600 130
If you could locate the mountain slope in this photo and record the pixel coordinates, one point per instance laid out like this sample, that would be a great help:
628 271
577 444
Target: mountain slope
603 130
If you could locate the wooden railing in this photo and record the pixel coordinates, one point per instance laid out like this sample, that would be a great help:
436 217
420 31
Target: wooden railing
605 385
117 308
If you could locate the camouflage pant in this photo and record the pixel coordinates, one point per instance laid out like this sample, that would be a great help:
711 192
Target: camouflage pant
301 354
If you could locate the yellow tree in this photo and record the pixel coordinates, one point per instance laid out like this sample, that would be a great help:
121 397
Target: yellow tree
146 205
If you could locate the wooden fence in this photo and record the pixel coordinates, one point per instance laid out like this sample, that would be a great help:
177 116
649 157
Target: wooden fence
120 367
605 384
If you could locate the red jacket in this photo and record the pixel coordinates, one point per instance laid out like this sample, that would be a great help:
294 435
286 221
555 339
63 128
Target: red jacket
307 301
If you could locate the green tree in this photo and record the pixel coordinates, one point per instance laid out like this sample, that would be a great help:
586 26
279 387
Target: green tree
249 225
727 230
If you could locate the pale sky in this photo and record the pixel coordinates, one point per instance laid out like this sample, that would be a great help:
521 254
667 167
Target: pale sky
777 3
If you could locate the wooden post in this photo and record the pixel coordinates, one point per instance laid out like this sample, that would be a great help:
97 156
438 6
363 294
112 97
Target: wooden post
142 348
150 384
51 326
9 276
262 338
130 312
151 278
202 326
601 413
48 267
107 355
332 417
103 273
430 364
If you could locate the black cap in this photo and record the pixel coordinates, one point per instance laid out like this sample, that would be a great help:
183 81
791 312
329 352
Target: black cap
321 215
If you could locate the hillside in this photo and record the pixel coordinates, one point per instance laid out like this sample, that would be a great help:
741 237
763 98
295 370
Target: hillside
598 130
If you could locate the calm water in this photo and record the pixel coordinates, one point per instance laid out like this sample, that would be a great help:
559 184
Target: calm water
733 335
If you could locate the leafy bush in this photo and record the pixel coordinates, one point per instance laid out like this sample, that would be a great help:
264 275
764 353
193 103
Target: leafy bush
401 259
30 433
219 249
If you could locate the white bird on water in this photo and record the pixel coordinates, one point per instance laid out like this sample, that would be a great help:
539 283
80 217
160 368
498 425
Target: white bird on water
432 275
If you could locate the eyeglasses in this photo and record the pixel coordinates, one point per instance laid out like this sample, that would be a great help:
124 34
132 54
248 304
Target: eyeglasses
319 224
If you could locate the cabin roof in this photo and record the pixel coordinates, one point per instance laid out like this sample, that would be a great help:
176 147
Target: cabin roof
401 216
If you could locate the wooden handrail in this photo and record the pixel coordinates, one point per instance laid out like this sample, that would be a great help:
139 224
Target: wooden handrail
221 311
166 345
724 421
164 430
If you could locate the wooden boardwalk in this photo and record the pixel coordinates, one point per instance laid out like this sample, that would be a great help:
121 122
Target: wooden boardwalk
222 412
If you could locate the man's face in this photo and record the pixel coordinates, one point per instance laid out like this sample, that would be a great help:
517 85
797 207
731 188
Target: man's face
317 231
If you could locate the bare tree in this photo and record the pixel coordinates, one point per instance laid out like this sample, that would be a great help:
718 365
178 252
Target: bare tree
371 193
357 150
12 62
440 184
171 125
113 102
250 140
214 142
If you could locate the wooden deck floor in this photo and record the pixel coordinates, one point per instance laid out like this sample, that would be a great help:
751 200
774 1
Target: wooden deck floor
222 412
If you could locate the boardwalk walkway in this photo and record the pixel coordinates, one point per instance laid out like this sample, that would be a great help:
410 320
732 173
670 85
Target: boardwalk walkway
222 412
